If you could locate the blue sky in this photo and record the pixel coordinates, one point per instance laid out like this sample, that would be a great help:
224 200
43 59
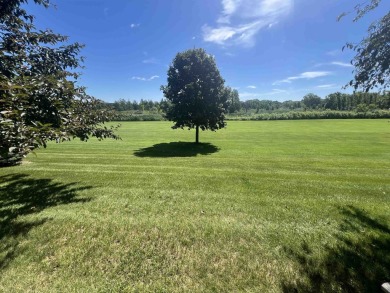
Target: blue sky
266 49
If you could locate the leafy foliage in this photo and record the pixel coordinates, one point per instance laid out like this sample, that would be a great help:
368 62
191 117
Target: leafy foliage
362 112
311 101
362 9
372 60
234 104
197 93
39 96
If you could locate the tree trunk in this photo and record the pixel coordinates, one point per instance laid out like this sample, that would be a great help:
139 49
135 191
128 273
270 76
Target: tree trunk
197 134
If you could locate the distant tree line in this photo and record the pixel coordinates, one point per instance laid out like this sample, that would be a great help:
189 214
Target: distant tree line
348 102
336 101
142 105
359 101
314 114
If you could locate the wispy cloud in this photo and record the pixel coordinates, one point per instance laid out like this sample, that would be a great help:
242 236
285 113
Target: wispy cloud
304 75
327 86
145 78
278 91
241 20
239 35
337 63
151 61
251 87
334 52
252 95
229 8
135 25
343 64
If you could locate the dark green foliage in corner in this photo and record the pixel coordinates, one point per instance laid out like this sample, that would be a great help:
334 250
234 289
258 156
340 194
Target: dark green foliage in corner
39 96
372 59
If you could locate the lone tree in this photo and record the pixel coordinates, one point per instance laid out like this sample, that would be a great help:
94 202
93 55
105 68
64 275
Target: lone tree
196 92
39 96
372 60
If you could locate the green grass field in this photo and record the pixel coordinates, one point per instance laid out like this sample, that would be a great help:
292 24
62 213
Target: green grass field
271 206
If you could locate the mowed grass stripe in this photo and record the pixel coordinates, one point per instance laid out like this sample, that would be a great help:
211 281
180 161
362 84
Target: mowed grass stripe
310 179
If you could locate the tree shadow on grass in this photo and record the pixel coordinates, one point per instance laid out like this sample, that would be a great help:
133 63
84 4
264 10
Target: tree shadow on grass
360 262
21 195
177 149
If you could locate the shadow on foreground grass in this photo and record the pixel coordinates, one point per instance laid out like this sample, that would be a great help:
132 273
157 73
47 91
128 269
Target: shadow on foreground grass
21 196
359 263
177 149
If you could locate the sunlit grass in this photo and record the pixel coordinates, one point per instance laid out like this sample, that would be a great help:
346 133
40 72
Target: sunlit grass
266 206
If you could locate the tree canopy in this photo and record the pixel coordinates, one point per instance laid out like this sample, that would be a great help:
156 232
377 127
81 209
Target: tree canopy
311 101
40 99
372 60
196 91
233 99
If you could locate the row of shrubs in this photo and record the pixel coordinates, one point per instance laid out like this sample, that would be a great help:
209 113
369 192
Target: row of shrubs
295 115
139 117
292 115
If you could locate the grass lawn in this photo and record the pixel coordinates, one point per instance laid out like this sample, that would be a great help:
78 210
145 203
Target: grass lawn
267 206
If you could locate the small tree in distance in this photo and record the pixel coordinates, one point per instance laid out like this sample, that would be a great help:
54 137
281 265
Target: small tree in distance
197 93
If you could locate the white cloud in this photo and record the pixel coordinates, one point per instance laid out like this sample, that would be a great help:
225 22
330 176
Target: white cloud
251 87
218 35
241 20
270 7
252 95
239 35
229 7
327 86
151 61
272 24
278 91
343 64
145 78
334 52
337 63
304 75
310 75
134 25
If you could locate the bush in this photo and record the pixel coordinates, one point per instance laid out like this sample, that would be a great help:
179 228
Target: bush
125 116
328 114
